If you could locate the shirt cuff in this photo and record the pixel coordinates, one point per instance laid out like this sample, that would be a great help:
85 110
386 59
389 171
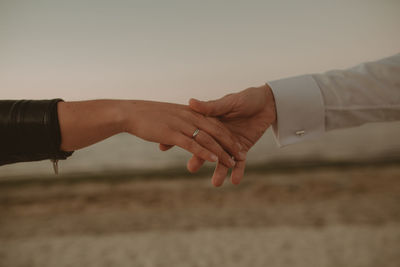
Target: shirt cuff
299 108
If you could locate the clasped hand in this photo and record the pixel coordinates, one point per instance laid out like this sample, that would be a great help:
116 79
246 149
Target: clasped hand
229 127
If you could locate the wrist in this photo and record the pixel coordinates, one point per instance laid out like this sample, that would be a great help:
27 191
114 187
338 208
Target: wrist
129 117
118 113
270 103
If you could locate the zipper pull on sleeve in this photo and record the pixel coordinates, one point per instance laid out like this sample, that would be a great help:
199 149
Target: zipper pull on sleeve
55 165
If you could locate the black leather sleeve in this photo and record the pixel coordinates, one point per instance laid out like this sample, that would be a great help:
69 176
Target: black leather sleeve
29 131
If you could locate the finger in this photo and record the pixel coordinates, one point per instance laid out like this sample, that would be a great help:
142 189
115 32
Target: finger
219 175
218 131
194 164
211 143
206 141
164 147
214 108
192 146
238 172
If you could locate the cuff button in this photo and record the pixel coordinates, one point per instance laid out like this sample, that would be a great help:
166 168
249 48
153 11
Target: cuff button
300 133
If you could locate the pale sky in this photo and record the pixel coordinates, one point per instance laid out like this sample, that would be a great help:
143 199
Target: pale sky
174 50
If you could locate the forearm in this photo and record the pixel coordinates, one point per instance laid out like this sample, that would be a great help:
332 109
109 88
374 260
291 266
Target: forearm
369 92
49 132
309 105
84 123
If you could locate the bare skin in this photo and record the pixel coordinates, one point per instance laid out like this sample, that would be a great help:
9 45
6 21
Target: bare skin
247 114
85 123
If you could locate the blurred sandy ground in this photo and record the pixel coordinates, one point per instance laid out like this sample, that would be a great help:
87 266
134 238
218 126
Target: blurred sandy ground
321 216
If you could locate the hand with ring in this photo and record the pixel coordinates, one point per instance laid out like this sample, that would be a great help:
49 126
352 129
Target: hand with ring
172 124
84 123
247 115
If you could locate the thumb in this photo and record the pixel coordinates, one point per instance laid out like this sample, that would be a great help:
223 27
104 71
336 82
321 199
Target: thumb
214 108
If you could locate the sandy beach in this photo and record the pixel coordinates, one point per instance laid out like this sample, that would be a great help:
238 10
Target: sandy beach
328 216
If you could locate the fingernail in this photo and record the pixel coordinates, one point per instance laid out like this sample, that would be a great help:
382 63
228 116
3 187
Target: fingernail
242 155
232 162
214 158
217 185
239 146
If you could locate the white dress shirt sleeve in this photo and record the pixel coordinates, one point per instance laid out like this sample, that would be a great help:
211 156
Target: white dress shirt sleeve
300 109
309 105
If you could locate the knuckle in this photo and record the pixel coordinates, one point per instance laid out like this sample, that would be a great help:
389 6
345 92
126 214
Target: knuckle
208 141
171 130
185 143
202 153
197 115
192 145
221 128
211 111
214 121
234 147
220 135
227 158
223 156
189 114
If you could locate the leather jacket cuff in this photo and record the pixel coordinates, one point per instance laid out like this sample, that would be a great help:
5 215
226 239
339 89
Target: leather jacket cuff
30 131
